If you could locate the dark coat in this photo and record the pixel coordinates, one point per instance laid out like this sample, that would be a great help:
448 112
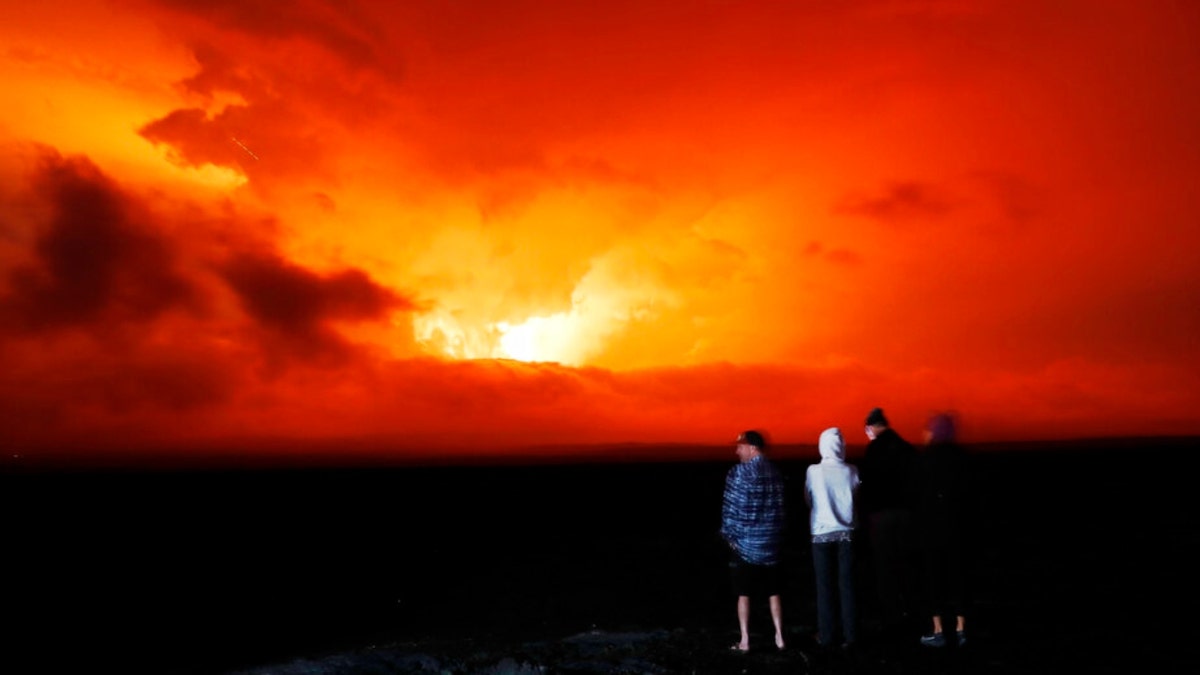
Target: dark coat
887 471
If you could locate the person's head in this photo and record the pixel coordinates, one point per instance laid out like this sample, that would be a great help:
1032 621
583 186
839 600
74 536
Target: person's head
831 445
749 444
876 423
941 428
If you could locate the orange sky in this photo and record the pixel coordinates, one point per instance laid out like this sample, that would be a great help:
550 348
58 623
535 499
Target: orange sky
476 225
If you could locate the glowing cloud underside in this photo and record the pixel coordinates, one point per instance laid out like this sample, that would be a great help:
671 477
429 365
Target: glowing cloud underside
603 305
537 339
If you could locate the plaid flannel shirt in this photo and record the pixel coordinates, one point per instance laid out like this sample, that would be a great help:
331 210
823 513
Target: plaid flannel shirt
752 515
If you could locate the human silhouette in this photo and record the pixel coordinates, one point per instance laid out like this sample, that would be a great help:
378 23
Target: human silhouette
830 487
888 496
752 523
943 495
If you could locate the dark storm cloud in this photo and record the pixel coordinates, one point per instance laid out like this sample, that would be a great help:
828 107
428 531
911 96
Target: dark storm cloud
336 26
196 139
218 72
259 140
1020 201
269 134
112 311
296 304
94 259
898 202
274 61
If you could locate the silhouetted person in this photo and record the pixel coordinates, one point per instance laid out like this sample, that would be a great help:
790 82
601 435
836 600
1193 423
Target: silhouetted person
887 497
830 487
752 523
943 495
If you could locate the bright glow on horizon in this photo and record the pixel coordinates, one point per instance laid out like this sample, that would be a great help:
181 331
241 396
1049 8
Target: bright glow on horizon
540 338
537 339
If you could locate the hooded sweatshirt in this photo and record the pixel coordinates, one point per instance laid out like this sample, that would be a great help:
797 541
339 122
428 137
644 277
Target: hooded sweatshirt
829 489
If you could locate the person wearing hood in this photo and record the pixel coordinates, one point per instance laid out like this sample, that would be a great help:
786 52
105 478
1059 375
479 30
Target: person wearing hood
830 488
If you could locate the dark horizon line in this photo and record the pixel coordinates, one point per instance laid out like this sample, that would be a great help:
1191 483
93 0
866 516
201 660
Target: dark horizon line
333 455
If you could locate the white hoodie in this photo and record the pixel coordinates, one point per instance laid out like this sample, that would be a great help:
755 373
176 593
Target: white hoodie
830 486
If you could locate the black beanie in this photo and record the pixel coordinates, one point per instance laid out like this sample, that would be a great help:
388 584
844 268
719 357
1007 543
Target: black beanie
876 417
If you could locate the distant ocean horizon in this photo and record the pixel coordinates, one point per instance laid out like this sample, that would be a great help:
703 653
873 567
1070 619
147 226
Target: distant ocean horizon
205 571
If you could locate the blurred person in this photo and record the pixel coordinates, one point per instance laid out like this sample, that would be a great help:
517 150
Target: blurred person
887 498
752 524
943 490
830 488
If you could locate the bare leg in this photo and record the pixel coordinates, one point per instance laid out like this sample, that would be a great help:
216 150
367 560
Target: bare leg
743 612
777 617
937 624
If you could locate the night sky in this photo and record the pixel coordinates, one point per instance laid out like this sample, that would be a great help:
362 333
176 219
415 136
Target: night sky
438 227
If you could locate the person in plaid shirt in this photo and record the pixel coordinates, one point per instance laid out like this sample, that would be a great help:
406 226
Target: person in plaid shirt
752 523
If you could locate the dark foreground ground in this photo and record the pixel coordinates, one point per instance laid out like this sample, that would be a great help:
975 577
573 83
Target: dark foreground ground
1084 563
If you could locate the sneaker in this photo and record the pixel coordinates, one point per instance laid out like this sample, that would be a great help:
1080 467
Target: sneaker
934 640
962 638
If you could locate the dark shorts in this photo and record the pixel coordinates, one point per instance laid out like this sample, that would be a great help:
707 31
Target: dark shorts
754 580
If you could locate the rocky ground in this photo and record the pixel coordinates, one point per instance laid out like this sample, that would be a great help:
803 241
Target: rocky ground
683 651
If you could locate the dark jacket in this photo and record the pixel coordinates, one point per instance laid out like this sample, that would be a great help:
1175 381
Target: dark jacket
888 471
943 490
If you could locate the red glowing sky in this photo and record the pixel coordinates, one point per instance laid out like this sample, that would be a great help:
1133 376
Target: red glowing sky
437 225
